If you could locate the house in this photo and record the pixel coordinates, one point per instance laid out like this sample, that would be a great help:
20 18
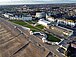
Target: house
58 21
66 22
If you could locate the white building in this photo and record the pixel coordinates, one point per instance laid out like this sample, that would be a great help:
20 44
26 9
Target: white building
40 14
49 18
44 22
61 21
18 17
27 18
7 15
66 22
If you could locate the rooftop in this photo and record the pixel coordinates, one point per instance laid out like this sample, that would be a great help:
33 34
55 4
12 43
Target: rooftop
17 42
73 44
44 21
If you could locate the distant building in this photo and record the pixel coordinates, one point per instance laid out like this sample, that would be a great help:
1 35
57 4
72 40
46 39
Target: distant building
40 14
49 18
7 15
18 16
44 22
65 22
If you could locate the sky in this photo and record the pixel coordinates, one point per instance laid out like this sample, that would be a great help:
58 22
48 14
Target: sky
10 2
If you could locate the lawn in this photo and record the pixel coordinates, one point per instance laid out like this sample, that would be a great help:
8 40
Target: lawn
24 24
34 29
40 26
32 22
52 38
37 26
20 22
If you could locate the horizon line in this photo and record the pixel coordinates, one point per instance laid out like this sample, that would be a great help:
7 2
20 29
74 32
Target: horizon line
36 3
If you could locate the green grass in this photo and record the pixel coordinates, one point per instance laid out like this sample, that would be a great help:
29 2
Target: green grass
40 26
19 22
52 38
34 29
32 22
37 26
24 24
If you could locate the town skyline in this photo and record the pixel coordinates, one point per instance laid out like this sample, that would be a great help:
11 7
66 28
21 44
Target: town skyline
16 2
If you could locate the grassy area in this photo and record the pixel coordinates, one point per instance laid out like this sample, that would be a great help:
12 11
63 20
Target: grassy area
37 26
34 29
24 24
32 22
40 26
20 22
52 38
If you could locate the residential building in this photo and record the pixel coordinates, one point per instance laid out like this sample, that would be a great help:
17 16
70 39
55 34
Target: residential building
65 22
18 16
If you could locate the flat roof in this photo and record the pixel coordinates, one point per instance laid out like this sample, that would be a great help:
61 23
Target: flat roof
44 21
22 45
